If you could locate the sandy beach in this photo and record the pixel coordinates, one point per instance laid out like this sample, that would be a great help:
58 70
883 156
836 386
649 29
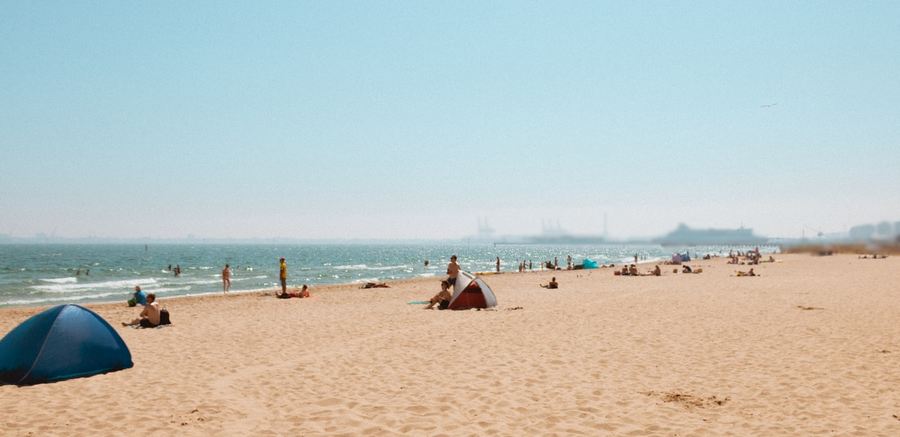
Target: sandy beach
812 346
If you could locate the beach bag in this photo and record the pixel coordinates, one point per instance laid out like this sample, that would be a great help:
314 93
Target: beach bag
132 302
164 317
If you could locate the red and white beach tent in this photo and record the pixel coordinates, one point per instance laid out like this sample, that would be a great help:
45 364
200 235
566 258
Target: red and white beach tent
471 292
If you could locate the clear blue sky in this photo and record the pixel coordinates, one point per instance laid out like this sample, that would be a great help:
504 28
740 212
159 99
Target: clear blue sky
410 119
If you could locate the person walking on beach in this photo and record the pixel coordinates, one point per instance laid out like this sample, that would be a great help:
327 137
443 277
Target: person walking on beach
226 278
282 274
452 271
498 264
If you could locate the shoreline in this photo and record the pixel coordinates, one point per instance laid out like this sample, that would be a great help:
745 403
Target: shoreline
57 280
808 347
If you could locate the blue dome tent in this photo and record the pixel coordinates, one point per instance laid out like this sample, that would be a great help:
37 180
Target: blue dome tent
63 342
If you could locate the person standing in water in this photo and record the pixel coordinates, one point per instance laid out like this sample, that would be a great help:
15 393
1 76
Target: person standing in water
282 274
226 278
498 264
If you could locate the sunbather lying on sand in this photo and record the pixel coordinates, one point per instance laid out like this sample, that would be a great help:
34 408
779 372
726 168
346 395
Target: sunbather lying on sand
375 285
442 299
304 292
750 273
552 284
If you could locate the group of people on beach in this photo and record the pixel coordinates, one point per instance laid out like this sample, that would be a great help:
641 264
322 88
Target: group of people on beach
282 277
631 270
150 315
443 297
752 257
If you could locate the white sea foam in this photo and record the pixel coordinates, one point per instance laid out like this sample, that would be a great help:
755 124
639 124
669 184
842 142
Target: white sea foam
57 299
69 280
352 267
233 279
203 281
74 288
168 290
366 267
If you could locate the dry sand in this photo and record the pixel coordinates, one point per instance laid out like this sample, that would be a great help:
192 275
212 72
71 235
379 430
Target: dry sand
810 347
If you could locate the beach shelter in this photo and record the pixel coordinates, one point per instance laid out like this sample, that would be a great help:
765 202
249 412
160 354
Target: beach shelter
589 264
63 342
471 292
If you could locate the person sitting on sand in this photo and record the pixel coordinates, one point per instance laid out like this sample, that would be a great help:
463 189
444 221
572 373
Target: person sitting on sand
632 270
750 273
375 285
149 317
552 285
304 292
686 269
138 298
656 271
442 299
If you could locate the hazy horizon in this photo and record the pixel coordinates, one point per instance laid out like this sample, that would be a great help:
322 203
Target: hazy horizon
320 120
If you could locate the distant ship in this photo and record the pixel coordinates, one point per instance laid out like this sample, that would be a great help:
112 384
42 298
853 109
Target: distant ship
685 236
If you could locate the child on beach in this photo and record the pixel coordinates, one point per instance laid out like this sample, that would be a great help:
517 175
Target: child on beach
442 299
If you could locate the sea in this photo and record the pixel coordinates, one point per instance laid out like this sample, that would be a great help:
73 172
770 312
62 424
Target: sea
50 274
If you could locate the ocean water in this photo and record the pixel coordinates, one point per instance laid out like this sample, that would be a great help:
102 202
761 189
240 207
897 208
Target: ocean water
43 274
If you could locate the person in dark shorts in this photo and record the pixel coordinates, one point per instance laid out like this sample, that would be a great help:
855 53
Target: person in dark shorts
442 299
452 270
149 317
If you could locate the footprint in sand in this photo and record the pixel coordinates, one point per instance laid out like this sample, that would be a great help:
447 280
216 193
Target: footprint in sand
688 400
